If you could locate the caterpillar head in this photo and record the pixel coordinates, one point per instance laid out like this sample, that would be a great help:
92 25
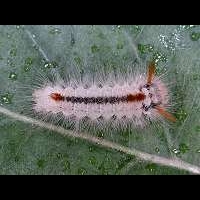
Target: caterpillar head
156 94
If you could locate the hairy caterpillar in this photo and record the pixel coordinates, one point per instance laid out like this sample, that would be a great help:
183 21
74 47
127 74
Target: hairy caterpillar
144 97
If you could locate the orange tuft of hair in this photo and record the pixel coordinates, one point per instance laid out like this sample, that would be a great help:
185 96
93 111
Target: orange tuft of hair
151 73
165 114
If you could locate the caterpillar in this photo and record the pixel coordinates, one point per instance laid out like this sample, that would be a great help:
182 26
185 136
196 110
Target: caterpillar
144 97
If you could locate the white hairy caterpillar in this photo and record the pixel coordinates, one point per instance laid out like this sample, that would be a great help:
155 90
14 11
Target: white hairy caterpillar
135 100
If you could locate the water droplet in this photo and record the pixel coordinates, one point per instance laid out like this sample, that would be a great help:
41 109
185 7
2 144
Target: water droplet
78 60
197 129
8 35
157 150
134 29
54 64
181 115
196 77
123 161
66 165
27 68
59 155
47 65
142 48
145 48
13 52
150 47
92 148
76 140
183 148
125 57
6 98
167 43
10 62
82 171
94 48
186 27
100 135
151 167
92 160
176 151
41 163
55 31
158 56
195 36
198 150
72 40
17 27
28 61
12 76
116 27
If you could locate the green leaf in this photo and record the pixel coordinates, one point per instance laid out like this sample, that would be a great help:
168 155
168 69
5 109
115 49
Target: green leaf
31 147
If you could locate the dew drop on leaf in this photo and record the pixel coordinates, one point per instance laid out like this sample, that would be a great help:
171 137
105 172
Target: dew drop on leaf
13 52
116 27
92 160
197 129
41 163
28 61
50 65
198 150
59 155
82 171
142 48
183 148
6 98
10 62
181 115
157 150
145 48
55 31
176 151
91 148
195 36
100 135
17 27
66 165
77 60
158 56
12 76
186 27
72 42
47 65
151 167
8 35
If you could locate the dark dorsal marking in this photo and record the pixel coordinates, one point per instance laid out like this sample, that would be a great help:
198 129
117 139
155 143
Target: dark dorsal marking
99 100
